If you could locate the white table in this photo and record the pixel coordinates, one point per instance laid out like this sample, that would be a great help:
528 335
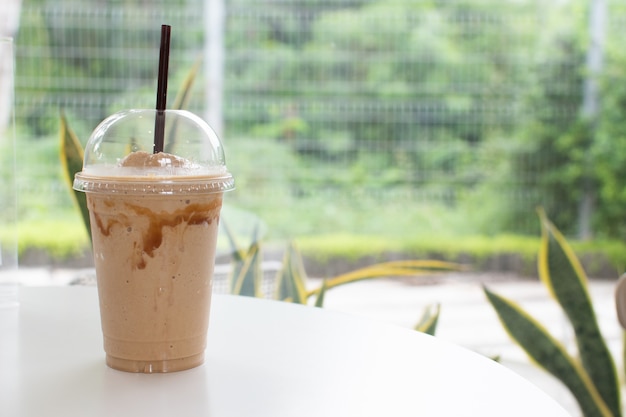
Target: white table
265 358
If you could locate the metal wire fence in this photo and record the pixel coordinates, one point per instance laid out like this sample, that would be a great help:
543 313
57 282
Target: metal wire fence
340 102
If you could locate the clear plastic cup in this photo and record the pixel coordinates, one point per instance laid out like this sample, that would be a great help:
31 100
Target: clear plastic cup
154 224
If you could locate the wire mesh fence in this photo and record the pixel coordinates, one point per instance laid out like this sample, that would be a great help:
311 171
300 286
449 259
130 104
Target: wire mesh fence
328 106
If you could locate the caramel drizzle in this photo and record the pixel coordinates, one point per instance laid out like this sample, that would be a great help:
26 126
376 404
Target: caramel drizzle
152 238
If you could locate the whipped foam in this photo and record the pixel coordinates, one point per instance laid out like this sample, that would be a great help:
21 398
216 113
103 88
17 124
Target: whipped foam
161 159
148 165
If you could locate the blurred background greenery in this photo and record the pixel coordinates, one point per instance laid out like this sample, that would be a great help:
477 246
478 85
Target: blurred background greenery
399 119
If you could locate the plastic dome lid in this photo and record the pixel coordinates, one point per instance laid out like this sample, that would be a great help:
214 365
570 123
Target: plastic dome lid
119 156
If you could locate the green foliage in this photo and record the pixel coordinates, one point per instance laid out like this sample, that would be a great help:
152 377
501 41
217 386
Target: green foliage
592 376
464 111
291 280
72 161
376 95
82 57
60 237
609 161
428 322
412 122
562 273
550 354
42 195
554 139
246 274
428 121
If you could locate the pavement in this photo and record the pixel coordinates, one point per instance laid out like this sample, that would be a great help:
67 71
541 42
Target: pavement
466 318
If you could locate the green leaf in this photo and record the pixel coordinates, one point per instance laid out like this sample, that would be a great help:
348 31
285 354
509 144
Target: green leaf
562 273
247 273
291 279
71 155
391 269
237 253
624 350
184 93
319 301
550 354
246 276
428 322
180 102
238 259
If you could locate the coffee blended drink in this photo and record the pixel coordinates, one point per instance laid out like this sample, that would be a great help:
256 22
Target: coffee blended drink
154 224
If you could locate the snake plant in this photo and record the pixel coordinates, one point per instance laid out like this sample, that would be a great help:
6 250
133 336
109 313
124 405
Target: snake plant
291 280
591 376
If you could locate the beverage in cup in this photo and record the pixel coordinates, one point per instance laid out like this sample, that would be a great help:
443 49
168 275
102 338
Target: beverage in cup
154 223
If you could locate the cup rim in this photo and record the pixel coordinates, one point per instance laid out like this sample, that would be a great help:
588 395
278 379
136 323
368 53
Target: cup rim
157 185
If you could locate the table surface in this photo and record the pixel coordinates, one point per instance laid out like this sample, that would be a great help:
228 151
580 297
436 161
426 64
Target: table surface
264 358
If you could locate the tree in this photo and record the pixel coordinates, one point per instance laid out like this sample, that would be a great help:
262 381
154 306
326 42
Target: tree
609 150
554 138
408 90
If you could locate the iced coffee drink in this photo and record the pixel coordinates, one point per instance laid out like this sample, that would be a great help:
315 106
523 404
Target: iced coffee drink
154 224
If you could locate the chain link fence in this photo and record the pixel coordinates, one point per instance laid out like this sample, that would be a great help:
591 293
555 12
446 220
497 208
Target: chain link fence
351 109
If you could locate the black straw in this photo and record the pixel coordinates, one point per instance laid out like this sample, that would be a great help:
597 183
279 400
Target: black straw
161 99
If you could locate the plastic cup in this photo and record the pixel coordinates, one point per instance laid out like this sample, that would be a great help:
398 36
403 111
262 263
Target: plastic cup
154 224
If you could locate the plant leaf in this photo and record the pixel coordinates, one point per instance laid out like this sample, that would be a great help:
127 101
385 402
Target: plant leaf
550 354
391 269
237 253
246 278
319 301
184 93
562 273
71 155
180 102
624 349
291 279
428 322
